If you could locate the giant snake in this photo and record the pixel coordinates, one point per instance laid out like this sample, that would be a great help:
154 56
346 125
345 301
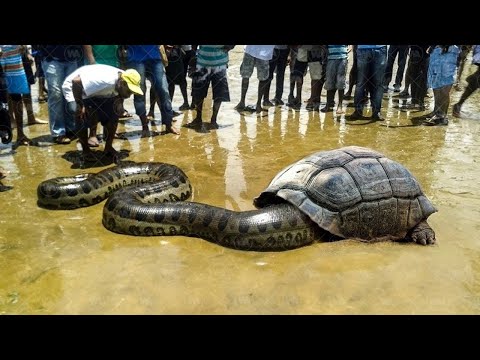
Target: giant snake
150 199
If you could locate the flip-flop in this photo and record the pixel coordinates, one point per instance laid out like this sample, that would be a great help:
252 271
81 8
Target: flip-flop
125 115
171 130
24 141
93 142
63 140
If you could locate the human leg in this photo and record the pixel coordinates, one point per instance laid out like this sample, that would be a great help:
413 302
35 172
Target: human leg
473 83
17 110
246 71
61 121
377 70
280 77
402 60
220 92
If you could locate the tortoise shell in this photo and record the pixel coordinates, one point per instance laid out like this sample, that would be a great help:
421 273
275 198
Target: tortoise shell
352 192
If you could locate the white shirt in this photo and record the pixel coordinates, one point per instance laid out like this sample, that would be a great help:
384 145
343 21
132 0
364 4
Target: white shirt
98 81
262 52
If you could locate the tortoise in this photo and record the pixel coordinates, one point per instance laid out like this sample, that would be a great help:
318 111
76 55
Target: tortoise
355 192
351 192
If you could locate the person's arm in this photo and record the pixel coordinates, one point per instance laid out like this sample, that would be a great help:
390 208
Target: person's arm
88 50
77 90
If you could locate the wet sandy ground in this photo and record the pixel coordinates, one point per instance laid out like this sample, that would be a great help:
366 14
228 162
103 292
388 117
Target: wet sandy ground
66 262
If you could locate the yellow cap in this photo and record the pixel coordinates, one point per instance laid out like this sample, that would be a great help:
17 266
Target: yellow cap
132 78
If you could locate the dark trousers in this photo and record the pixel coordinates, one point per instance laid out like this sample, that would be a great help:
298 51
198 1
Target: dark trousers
279 62
417 73
370 72
393 51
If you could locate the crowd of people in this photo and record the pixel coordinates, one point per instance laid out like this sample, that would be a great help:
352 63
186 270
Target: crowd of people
87 84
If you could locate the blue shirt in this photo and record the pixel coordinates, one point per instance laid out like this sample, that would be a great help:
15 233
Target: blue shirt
140 53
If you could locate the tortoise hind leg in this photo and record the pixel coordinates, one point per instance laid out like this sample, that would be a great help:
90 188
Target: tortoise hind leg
422 234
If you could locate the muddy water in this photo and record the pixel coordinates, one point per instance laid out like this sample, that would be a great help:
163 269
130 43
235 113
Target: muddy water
66 262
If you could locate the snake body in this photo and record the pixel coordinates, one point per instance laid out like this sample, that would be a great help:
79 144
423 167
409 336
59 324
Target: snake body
150 199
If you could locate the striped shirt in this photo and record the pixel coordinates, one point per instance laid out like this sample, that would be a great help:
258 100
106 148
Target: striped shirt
11 60
370 46
211 56
337 52
15 77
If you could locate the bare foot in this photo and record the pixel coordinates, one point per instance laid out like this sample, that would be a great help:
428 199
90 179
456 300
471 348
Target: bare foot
36 122
5 187
23 140
113 154
125 115
259 109
340 110
456 111
93 141
240 106
171 130
184 106
194 124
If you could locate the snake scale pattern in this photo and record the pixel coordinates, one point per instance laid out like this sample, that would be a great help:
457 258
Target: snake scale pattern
151 199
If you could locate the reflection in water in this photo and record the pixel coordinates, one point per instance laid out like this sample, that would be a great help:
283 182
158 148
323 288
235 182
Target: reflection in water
67 262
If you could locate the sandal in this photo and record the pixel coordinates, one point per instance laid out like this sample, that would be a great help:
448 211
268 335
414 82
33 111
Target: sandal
436 120
63 140
125 115
24 141
171 130
93 142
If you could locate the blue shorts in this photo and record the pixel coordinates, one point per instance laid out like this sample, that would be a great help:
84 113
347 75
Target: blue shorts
442 67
